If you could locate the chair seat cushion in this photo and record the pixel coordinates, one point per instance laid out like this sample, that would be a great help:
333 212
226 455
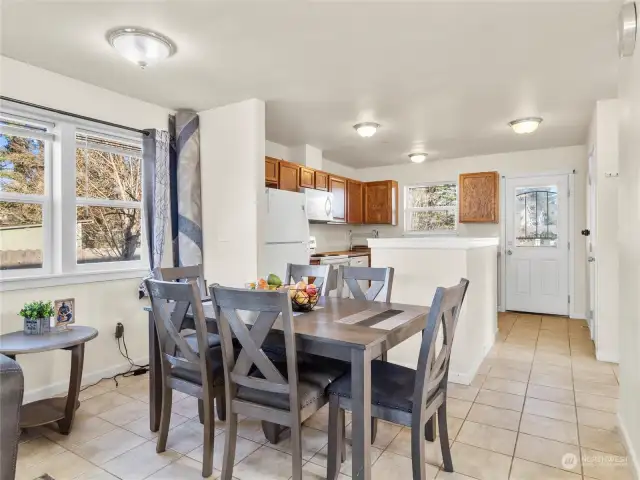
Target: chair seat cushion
213 340
391 386
313 380
214 352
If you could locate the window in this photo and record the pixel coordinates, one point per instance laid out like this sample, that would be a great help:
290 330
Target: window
431 208
68 207
537 216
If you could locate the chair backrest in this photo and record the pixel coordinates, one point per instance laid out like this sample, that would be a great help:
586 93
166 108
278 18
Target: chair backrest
432 372
381 282
170 302
320 273
269 305
184 274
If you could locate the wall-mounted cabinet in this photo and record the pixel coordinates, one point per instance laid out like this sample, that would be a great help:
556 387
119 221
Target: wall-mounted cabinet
355 205
338 186
288 176
381 202
307 177
322 181
479 197
271 170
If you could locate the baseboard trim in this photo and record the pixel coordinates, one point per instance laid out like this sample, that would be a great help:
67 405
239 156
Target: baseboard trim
87 379
577 315
605 356
631 452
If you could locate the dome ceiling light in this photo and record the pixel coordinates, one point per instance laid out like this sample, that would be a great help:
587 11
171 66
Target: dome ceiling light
418 157
525 125
141 46
366 129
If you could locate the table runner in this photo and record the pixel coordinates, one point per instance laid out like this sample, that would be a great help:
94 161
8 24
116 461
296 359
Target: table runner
385 320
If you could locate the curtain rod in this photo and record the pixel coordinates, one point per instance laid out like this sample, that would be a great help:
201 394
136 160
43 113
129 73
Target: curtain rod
74 115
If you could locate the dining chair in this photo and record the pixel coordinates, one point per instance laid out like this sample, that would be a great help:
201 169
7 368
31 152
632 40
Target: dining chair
405 396
277 390
189 363
320 274
381 282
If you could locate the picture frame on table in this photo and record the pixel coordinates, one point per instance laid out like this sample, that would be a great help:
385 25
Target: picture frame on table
64 312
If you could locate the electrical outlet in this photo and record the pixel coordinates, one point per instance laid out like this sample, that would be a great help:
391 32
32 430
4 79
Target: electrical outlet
119 330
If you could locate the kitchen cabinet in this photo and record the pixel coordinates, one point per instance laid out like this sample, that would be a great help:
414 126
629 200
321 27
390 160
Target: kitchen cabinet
381 202
355 207
479 200
307 177
271 170
338 186
322 181
288 176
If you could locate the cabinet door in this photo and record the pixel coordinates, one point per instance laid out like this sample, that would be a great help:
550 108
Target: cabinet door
288 176
479 197
322 181
354 202
338 186
381 202
307 179
271 170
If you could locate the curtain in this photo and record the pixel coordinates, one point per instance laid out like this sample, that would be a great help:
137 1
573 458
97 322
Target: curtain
186 203
155 175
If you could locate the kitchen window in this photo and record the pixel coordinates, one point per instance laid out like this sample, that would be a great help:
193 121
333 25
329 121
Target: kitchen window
431 208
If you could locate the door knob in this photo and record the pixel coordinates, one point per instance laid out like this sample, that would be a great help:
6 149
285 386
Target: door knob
509 252
591 259
586 232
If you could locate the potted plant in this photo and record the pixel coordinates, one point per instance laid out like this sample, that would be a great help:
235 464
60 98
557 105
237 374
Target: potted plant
37 317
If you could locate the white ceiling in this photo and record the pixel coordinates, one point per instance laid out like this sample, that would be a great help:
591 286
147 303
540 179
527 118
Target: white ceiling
443 77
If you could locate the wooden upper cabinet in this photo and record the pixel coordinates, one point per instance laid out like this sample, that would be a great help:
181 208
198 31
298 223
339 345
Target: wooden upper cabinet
381 202
479 197
307 177
355 207
338 186
288 176
322 181
271 170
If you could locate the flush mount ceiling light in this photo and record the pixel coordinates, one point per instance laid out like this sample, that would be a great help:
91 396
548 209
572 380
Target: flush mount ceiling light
627 28
366 129
417 157
141 46
525 125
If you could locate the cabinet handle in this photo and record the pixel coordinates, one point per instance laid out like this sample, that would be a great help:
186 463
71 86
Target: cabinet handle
327 206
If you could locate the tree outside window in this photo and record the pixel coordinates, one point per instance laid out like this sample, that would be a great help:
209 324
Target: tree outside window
431 208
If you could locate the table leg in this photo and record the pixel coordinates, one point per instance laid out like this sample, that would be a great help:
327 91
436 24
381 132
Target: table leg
75 380
155 377
361 406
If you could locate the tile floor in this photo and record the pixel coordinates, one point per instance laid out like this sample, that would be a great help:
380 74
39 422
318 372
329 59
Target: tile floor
539 396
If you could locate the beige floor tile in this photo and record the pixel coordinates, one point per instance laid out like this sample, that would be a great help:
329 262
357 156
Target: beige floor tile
442 475
547 452
321 459
265 464
65 465
603 466
94 391
543 368
108 446
595 377
127 413
311 471
495 417
312 441
554 381
601 440
500 400
508 374
37 450
251 429
28 434
524 470
558 395
101 403
479 463
140 462
139 391
553 359
597 402
597 419
84 429
548 409
244 448
401 445
565 432
458 408
186 437
462 392
505 386
390 465
491 438
596 389
141 426
187 407
97 475
385 435
453 426
518 363
478 380
184 469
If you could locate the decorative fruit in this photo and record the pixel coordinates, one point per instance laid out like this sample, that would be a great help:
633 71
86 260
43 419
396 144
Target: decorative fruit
301 285
273 279
311 289
301 297
262 284
252 286
292 292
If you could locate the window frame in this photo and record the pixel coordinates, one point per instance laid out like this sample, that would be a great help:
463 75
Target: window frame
408 210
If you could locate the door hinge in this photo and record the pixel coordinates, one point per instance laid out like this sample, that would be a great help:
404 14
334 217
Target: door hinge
568 193
569 245
568 298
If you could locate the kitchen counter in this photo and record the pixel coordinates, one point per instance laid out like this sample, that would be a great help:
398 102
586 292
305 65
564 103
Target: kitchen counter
348 253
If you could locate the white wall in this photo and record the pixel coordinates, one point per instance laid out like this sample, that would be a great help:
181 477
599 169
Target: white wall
232 150
563 159
603 143
98 304
628 239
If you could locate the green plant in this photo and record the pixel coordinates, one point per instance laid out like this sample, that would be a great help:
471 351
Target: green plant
37 310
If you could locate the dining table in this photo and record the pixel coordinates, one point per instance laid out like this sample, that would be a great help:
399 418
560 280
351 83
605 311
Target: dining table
355 331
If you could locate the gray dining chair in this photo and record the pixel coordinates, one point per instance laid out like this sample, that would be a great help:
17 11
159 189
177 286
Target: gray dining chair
405 396
321 275
271 389
184 274
381 282
189 362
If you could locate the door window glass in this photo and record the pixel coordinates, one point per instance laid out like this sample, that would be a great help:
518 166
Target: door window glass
536 211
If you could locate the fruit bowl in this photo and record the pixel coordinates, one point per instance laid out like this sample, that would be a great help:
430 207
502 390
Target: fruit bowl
303 297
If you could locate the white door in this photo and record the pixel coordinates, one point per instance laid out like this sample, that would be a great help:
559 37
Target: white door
590 236
537 236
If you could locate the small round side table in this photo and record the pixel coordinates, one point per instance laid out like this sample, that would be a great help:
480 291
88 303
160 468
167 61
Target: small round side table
58 409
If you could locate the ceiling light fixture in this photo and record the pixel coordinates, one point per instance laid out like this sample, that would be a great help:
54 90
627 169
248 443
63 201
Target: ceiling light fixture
141 46
366 129
525 125
417 157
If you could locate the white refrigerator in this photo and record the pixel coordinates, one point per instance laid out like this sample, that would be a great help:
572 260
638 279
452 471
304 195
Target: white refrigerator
286 232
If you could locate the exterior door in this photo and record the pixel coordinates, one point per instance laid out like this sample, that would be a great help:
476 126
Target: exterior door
537 236
591 236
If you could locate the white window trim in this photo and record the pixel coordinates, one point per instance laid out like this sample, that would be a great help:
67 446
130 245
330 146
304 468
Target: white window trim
408 210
